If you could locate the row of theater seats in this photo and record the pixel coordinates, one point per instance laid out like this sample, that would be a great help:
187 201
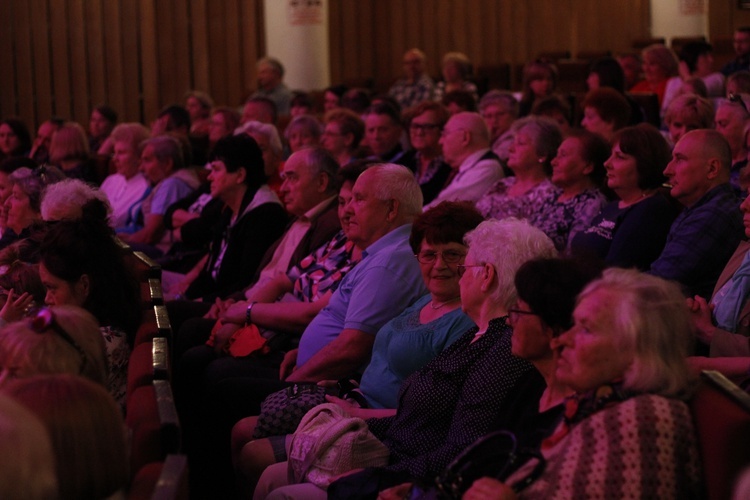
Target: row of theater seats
159 469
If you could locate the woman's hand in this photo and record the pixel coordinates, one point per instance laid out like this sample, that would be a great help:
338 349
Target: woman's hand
486 488
344 405
399 492
15 307
701 314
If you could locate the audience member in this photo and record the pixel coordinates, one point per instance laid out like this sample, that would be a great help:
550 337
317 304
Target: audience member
631 231
703 237
738 83
499 110
731 118
301 104
101 123
73 199
456 72
303 131
333 97
425 122
15 139
383 132
607 72
695 61
466 148
69 151
267 137
357 100
741 42
632 69
605 111
199 105
539 80
259 109
223 122
659 65
40 148
555 108
127 186
270 73
458 101
343 132
535 144
7 167
174 119
416 86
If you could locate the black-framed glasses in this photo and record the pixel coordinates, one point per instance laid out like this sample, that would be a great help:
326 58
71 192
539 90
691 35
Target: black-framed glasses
737 98
448 256
461 268
424 127
515 314
44 321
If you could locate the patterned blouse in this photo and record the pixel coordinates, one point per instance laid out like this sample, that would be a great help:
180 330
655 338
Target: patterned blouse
498 205
322 270
562 220
118 353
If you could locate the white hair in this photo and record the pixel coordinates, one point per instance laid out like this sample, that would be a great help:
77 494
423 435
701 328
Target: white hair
397 182
265 129
65 200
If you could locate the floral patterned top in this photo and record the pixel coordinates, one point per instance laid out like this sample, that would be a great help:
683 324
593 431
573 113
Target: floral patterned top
118 353
322 270
562 220
497 204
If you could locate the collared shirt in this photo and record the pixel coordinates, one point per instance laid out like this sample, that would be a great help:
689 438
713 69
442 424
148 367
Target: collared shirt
701 241
477 173
385 282
280 95
280 261
408 94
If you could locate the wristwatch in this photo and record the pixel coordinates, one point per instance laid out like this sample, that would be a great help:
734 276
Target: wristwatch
249 313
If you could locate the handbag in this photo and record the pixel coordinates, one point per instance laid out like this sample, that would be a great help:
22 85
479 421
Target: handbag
495 455
281 411
329 442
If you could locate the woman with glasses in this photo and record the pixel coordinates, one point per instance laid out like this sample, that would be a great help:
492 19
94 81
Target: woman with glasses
343 132
468 389
425 122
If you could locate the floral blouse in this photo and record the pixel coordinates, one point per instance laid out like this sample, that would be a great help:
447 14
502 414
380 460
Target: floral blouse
497 204
562 220
118 353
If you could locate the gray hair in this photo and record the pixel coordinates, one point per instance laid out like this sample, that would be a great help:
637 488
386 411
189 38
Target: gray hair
166 148
544 132
307 123
33 182
506 245
65 200
320 161
500 98
651 321
397 182
133 133
267 130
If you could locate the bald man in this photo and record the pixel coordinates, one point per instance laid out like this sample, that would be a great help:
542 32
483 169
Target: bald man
703 237
466 148
416 86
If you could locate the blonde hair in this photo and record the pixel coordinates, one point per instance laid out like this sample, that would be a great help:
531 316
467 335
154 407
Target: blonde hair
69 143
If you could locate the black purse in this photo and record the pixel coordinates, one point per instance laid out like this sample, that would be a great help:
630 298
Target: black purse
495 455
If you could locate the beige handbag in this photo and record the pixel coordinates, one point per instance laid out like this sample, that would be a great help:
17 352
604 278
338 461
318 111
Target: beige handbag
328 442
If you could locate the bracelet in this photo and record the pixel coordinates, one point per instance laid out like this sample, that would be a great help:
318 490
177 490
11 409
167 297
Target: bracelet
249 313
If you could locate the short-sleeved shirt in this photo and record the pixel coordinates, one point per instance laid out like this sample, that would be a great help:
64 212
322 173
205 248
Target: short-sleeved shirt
386 281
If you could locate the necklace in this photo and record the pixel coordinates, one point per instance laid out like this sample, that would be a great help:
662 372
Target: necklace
442 304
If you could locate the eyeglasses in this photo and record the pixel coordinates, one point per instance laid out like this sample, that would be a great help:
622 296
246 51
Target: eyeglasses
423 127
737 98
44 321
461 268
449 256
515 314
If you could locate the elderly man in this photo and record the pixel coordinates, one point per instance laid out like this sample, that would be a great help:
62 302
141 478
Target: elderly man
499 110
466 148
383 132
741 42
703 237
732 117
416 86
271 86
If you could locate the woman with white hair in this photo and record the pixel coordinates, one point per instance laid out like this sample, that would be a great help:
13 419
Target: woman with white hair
470 385
267 137
626 359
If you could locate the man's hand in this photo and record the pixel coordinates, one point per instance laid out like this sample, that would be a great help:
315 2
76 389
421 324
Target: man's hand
289 364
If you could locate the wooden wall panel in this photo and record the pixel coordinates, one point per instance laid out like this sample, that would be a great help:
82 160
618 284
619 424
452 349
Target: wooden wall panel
79 68
24 63
40 47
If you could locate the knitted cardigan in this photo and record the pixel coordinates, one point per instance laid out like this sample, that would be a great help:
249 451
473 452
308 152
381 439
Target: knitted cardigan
644 447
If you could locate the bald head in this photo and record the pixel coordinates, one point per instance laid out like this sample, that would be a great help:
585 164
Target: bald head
464 134
701 160
713 145
475 125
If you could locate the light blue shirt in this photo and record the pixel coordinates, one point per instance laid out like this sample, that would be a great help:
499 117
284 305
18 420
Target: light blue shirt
380 287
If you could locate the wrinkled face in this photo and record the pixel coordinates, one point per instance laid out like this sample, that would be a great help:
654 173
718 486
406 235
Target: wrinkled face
441 277
300 187
591 355
218 128
383 135
593 123
522 152
345 196
730 122
688 170
622 173
98 125
152 168
223 182
498 119
299 138
568 167
125 159
741 43
270 159
61 292
195 109
333 140
424 131
9 142
20 213
531 337
368 216
330 101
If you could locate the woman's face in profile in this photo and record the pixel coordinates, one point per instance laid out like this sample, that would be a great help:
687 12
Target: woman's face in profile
20 213
590 353
61 292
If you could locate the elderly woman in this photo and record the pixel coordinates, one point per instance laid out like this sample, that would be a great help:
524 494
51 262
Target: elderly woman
267 137
303 131
15 139
625 357
127 186
605 111
162 165
659 65
69 151
425 122
539 80
688 112
23 204
456 71
631 231
499 110
82 266
577 173
454 385
72 199
535 144
343 132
